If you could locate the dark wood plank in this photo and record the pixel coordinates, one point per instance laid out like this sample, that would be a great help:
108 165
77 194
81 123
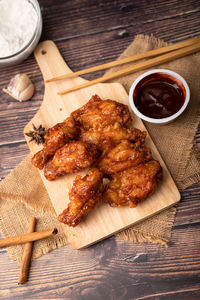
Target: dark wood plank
89 33
12 125
92 17
111 270
11 156
188 212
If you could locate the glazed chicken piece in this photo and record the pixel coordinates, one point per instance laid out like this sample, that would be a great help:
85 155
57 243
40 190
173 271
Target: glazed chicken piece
131 186
105 138
71 158
56 137
124 156
101 112
84 196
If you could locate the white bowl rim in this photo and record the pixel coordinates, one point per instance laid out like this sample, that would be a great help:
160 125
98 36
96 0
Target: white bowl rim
162 120
20 52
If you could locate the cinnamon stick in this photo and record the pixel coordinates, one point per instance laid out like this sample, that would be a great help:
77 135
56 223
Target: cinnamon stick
26 258
28 237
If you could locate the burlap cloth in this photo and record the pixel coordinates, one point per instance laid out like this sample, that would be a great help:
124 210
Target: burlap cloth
23 194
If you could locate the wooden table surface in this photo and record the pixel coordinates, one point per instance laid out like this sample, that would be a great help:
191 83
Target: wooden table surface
90 33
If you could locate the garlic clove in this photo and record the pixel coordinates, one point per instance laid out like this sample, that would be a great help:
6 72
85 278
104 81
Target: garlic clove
20 87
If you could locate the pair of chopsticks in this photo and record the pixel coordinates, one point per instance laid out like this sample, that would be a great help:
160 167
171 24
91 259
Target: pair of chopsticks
161 55
28 240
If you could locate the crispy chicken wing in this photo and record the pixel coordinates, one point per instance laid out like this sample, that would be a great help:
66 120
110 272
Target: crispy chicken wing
101 112
71 158
99 134
124 156
105 138
56 137
84 196
131 186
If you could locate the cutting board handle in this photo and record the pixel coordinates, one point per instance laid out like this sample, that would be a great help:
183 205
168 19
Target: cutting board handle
50 60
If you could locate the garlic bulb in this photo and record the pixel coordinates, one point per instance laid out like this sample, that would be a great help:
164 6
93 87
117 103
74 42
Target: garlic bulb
20 87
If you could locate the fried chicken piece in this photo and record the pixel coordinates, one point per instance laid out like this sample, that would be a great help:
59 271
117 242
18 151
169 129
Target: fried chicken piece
71 158
84 196
105 138
131 186
124 156
56 137
105 112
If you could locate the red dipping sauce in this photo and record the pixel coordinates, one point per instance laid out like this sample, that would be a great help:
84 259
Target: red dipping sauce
159 96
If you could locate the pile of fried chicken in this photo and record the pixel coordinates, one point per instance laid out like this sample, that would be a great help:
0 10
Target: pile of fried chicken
99 135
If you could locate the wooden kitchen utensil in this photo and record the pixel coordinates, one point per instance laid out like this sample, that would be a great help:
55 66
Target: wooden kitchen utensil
104 220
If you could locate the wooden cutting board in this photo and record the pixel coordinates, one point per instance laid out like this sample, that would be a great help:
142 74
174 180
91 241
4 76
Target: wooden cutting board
104 220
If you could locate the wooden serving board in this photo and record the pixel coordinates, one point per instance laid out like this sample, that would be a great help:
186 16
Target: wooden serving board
104 220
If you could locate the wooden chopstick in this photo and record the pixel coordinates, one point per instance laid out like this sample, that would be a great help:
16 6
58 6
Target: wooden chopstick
140 66
115 63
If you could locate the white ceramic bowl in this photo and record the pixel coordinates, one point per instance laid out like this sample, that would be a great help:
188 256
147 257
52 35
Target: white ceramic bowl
28 49
172 74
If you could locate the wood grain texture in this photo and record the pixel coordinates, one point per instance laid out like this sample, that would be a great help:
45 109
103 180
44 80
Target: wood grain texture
115 269
110 269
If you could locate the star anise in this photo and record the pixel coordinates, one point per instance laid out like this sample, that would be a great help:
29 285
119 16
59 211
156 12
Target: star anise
37 134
